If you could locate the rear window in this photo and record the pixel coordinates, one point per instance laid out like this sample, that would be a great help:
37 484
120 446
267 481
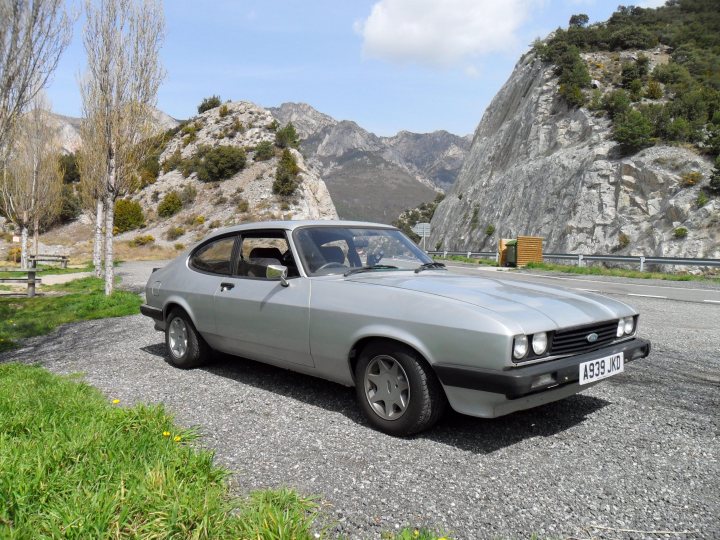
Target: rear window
215 257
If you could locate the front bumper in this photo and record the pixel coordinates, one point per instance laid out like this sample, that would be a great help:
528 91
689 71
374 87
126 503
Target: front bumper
516 382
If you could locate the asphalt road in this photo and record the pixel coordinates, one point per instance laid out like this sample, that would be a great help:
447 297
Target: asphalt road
639 452
684 291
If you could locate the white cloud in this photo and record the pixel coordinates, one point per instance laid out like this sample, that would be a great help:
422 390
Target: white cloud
651 3
441 33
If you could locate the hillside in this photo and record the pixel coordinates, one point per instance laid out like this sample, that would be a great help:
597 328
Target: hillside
372 177
563 151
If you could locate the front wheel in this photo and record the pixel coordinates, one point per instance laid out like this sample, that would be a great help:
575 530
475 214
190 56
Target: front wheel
186 347
397 390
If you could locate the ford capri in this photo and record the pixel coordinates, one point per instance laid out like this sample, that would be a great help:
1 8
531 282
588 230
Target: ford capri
361 305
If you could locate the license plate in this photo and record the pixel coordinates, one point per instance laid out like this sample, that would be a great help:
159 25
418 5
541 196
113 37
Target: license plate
602 368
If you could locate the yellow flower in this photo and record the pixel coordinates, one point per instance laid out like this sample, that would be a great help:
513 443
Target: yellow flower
177 438
166 433
116 401
416 533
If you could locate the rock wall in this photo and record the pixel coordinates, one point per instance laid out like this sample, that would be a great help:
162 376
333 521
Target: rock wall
536 167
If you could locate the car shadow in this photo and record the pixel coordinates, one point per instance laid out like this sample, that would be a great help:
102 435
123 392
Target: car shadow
476 435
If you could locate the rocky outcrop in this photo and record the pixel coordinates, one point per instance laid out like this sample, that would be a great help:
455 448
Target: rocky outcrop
537 167
371 177
246 196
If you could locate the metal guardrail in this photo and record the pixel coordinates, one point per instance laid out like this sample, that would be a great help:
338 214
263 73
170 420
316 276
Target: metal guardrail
580 258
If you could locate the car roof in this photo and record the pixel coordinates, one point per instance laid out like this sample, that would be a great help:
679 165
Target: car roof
291 225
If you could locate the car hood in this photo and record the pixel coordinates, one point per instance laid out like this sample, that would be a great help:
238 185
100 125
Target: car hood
519 301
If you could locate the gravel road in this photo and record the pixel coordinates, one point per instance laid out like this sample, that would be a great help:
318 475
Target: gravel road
639 451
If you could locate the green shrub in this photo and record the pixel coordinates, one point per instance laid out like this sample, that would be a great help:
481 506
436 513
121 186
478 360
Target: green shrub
208 103
264 151
573 95
714 186
173 233
143 240
188 194
273 126
243 206
14 254
170 205
179 246
633 130
223 111
173 162
128 216
702 199
690 179
680 232
218 163
70 204
287 137
199 220
286 175
489 230
654 90
616 103
70 169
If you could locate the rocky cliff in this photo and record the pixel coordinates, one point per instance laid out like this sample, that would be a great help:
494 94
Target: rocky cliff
372 177
538 167
245 196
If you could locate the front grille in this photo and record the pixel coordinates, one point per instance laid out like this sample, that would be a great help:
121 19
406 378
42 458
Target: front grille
574 340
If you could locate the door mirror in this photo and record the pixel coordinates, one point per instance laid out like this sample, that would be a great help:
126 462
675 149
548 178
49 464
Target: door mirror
277 271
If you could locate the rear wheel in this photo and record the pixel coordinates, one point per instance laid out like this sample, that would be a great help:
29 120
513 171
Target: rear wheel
397 390
186 347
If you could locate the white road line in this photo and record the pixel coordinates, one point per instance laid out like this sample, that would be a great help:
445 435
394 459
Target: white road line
647 296
588 290
712 301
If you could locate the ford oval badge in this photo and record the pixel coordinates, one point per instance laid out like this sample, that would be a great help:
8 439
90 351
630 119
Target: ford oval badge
592 338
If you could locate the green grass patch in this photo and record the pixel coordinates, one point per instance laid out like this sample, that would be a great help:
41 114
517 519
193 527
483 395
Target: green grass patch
470 260
76 466
618 272
47 271
83 299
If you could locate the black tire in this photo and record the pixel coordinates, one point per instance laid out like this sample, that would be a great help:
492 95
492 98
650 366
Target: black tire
426 402
197 352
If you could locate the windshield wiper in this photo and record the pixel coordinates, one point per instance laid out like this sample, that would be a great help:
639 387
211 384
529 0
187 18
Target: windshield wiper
369 268
429 266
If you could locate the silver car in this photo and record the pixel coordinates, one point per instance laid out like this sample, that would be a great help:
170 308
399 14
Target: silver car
360 304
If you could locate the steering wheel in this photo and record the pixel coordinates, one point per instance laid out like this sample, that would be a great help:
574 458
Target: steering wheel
331 265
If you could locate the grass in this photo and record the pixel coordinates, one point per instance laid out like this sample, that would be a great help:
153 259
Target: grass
76 466
46 271
470 260
618 272
79 300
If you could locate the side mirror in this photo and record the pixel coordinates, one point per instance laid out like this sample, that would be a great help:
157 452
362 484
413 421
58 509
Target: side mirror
277 271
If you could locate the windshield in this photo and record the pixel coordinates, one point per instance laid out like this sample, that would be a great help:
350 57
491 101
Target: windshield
327 250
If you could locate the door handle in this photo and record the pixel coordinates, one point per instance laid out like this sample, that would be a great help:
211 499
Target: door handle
226 286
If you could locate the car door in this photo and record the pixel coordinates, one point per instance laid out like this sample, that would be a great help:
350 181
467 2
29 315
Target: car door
259 318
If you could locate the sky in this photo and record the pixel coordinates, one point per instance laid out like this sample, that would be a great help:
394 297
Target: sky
389 65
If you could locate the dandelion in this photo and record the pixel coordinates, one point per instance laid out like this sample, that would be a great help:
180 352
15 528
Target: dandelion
416 533
166 433
177 438
116 401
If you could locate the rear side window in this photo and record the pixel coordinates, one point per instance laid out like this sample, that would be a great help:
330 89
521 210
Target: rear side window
215 257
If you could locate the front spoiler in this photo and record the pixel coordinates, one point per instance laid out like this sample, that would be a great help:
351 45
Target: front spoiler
517 382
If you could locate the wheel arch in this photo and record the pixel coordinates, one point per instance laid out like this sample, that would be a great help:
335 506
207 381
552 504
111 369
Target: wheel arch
175 302
406 340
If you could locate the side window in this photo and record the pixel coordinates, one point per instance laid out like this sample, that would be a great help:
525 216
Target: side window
215 257
260 251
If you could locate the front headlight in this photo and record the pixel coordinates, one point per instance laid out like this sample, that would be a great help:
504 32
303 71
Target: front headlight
520 347
539 343
629 325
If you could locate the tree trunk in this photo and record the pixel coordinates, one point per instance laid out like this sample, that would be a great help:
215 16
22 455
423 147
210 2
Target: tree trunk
36 235
109 217
24 247
97 248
